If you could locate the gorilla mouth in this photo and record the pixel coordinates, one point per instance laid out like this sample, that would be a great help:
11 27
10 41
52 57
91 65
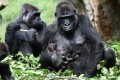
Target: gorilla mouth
67 28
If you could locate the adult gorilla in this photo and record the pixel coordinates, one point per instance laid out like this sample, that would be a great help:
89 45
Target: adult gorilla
4 68
26 33
74 44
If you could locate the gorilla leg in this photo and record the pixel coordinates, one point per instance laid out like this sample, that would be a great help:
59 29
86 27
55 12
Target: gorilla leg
109 57
25 48
74 67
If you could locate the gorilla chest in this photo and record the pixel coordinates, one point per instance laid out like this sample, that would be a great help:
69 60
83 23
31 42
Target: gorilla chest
23 26
65 43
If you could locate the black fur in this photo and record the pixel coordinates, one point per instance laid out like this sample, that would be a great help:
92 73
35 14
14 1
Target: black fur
78 46
4 68
26 33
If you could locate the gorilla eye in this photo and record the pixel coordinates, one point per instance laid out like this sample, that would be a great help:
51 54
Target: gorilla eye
37 14
71 17
62 19
25 15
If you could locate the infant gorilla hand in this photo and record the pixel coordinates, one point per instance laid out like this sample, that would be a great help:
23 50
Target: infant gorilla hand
31 35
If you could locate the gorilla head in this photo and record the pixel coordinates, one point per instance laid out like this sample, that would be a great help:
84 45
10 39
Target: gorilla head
66 16
31 16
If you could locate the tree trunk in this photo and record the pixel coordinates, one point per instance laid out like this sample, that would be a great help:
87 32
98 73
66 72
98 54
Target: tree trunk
3 4
104 14
106 18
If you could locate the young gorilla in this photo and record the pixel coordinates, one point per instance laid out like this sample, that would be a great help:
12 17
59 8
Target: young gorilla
4 68
3 50
26 33
75 38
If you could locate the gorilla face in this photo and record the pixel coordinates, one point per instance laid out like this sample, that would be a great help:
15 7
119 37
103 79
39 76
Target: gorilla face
66 16
32 19
66 22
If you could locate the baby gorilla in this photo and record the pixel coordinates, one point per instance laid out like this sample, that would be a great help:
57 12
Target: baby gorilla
3 50
63 59
4 68
52 48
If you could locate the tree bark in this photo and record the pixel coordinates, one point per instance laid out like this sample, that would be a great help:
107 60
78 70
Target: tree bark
104 14
3 4
106 18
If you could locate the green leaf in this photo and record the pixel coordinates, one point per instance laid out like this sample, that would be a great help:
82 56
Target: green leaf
104 70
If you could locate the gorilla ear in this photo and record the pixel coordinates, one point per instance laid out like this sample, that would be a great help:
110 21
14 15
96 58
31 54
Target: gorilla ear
55 14
75 11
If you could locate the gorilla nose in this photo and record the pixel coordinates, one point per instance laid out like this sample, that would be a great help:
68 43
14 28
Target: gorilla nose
39 20
66 22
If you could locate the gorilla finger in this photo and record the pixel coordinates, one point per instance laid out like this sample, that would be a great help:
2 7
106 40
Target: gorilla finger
69 59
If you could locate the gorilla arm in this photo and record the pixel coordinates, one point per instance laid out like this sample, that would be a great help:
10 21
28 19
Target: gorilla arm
48 59
41 32
37 43
32 34
96 49
26 35
10 38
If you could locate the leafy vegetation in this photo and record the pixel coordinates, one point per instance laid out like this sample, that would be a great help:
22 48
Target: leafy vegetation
27 68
